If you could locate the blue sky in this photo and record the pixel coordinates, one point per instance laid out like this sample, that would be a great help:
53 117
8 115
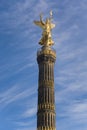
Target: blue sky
19 39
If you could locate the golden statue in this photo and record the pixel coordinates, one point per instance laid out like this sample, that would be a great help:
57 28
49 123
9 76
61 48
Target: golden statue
47 26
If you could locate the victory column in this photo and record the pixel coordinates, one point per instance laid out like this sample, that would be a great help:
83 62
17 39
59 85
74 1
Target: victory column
46 57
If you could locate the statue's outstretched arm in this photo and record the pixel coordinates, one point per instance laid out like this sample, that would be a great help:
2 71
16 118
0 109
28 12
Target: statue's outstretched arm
39 23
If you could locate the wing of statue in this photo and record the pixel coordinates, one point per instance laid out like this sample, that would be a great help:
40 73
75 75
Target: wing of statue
39 23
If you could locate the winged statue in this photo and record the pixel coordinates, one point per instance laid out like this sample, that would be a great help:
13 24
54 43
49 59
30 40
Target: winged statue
47 27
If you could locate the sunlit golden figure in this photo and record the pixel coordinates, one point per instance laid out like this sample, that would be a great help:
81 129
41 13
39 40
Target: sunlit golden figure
47 27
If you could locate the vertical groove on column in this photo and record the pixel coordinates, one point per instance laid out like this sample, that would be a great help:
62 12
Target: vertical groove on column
50 120
43 95
47 72
47 95
44 120
47 119
43 71
39 72
52 72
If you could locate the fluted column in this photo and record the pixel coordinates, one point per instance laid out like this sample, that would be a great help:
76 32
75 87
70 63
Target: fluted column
46 104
